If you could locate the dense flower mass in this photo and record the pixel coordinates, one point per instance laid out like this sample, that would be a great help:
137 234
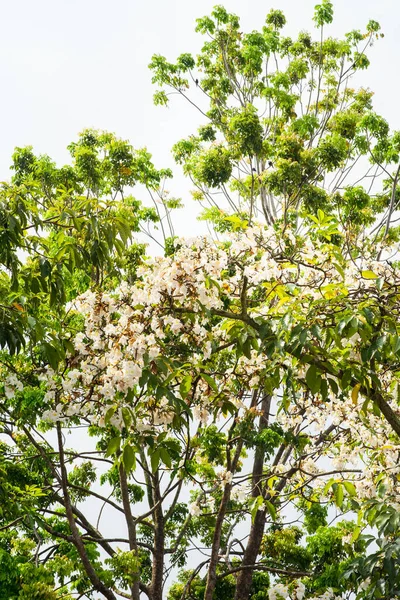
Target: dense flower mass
180 294
154 350
263 322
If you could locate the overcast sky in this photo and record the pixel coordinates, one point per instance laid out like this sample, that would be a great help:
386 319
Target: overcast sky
70 64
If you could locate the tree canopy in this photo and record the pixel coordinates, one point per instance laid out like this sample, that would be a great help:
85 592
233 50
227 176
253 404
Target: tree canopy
219 420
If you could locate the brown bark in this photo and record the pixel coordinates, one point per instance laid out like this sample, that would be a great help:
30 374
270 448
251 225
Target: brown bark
245 576
389 414
98 585
130 523
212 569
157 578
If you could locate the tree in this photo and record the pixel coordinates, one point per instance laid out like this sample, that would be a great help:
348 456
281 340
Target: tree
62 230
71 224
237 393
284 132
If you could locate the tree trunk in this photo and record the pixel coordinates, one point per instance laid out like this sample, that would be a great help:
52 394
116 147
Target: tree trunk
135 591
212 569
245 576
157 578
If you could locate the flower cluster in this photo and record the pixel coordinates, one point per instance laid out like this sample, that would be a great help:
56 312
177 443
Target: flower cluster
11 385
188 339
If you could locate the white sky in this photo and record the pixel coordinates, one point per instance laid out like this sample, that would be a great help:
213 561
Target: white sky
70 64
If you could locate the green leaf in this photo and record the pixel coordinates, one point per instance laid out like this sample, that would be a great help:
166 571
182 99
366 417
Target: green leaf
328 486
109 414
346 379
255 505
350 488
324 389
126 416
354 393
378 344
369 315
246 347
339 494
313 379
45 267
52 355
396 344
343 323
356 534
129 458
210 382
334 386
185 386
165 457
113 445
155 460
369 275
271 509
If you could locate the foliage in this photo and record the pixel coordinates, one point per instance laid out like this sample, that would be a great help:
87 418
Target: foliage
62 227
283 119
378 572
233 404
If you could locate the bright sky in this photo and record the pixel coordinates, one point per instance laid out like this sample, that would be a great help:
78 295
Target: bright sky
70 64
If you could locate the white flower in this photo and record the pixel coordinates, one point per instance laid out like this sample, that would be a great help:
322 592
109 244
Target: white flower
300 590
51 416
153 352
365 584
11 385
310 467
354 339
194 509
72 410
254 381
278 592
49 396
280 468
226 478
211 504
347 539
79 344
240 493
201 414
9 392
110 329
207 350
117 421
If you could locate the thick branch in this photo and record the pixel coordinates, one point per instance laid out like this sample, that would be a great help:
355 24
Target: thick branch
130 523
77 540
257 527
262 567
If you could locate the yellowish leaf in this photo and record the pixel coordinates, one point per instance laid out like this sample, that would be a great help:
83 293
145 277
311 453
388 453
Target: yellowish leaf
354 393
369 275
18 306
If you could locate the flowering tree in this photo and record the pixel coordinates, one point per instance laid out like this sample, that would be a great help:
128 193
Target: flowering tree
284 132
239 395
236 369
